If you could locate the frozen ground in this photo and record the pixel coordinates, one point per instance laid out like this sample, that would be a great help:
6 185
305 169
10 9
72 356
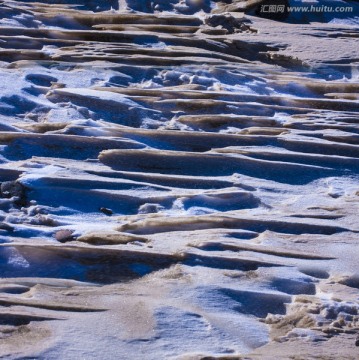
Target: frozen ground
177 182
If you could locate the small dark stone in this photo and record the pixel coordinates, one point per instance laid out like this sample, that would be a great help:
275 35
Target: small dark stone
357 341
64 236
106 211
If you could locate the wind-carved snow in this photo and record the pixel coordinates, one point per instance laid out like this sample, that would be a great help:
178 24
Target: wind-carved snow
177 181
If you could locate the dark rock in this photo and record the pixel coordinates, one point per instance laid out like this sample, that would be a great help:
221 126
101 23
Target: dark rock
227 21
106 211
6 227
357 341
11 189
